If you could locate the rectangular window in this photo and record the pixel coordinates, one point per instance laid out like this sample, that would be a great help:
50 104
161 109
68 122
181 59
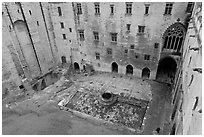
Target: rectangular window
59 11
147 9
109 51
190 7
81 34
126 51
97 8
112 9
128 27
114 37
79 10
141 29
168 8
37 23
70 29
96 36
97 55
62 25
128 8
64 36
146 57
156 45
132 46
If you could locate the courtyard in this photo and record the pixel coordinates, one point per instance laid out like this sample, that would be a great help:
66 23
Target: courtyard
76 106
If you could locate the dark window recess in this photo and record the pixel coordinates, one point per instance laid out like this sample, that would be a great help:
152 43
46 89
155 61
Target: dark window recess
146 57
96 36
99 65
168 8
62 25
21 87
112 9
196 103
147 9
156 45
64 36
128 8
136 56
126 51
97 8
109 51
30 12
132 46
81 34
70 29
189 8
97 55
114 37
37 23
18 11
79 10
128 27
141 29
9 27
59 11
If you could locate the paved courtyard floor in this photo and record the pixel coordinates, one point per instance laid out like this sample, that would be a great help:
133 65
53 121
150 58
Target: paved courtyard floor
41 114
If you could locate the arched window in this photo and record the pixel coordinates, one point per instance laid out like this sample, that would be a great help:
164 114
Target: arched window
173 37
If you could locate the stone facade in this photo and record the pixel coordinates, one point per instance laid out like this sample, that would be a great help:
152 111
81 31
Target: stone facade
187 92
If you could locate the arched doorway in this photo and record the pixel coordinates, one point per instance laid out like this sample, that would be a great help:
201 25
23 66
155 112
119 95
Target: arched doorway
129 70
166 70
76 66
145 73
114 67
63 58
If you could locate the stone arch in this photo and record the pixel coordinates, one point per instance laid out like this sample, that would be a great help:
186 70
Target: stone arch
173 37
114 66
76 66
63 58
166 70
129 69
145 72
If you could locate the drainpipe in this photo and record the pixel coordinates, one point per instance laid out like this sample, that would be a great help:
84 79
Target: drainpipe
32 43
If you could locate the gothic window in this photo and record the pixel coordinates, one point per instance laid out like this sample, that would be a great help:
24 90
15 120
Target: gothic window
173 37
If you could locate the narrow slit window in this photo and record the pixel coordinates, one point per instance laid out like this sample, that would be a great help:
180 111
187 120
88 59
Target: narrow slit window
62 25
112 9
64 36
59 11
147 9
